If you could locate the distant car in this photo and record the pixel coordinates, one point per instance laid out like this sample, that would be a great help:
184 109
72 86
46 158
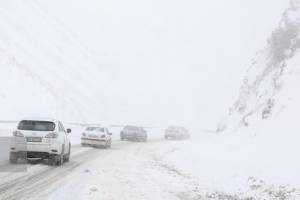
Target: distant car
41 139
96 136
177 133
134 133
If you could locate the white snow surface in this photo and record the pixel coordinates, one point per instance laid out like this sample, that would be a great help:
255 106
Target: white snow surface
209 166
256 158
44 69
263 121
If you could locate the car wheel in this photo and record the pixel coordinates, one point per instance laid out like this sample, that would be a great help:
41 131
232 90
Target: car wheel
52 160
67 157
13 158
109 144
58 160
83 145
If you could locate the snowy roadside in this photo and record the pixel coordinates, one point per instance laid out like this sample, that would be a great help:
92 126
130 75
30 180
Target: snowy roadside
6 129
207 167
232 166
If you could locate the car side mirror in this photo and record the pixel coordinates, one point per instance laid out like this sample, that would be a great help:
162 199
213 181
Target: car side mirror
69 130
109 133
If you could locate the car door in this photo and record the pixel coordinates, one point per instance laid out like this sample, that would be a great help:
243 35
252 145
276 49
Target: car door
65 137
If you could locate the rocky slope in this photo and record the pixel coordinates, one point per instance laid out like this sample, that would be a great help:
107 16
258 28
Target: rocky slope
270 88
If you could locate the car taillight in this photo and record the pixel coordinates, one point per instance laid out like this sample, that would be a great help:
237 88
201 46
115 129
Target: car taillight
18 134
83 134
103 136
51 135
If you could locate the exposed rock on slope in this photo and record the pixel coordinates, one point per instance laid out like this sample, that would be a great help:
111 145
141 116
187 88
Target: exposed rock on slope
271 82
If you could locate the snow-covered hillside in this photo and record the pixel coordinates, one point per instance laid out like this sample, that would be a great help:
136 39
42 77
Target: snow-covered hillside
44 69
269 96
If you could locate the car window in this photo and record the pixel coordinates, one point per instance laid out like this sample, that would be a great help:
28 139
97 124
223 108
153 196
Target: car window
132 128
28 125
99 129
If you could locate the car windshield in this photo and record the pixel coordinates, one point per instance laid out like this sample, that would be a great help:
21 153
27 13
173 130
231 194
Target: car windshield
28 125
95 129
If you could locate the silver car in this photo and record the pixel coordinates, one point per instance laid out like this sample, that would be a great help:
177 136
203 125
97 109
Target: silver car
177 133
96 136
134 133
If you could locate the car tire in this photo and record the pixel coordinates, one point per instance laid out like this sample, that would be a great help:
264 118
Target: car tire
122 136
13 158
52 160
67 157
108 144
59 160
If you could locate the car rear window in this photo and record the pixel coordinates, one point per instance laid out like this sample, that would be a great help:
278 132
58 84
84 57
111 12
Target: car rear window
175 128
27 125
133 128
95 129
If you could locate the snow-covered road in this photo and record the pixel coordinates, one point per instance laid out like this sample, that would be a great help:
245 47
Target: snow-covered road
40 178
127 171
207 167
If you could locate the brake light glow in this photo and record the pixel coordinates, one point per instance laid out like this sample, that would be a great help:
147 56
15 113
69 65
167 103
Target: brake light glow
18 134
52 135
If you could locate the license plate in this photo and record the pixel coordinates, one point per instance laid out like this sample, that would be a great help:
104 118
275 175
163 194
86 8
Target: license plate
34 139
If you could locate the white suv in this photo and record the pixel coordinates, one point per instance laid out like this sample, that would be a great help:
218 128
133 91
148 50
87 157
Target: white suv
96 136
41 139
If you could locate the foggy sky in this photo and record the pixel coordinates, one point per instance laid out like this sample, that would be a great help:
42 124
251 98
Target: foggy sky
171 62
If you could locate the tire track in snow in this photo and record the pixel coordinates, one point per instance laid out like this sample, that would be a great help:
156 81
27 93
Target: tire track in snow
26 186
